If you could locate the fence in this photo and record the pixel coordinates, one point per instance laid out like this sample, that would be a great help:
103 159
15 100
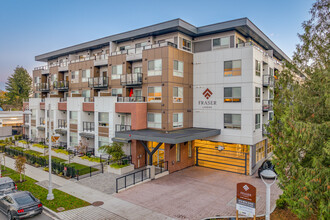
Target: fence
161 167
30 159
123 160
132 178
89 171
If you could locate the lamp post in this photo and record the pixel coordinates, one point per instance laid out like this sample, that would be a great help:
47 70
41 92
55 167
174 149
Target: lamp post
268 174
50 195
29 113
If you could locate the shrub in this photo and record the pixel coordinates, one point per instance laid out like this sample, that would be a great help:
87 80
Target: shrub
118 166
42 146
22 141
281 203
60 151
46 169
92 159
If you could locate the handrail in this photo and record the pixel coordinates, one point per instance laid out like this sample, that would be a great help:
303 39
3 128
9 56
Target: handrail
120 127
61 84
135 176
98 82
131 99
131 79
138 50
88 126
61 123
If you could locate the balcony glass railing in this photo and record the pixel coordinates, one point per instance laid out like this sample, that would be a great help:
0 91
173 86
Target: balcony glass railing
138 50
267 105
98 82
268 80
120 128
61 123
131 99
131 79
88 126
61 85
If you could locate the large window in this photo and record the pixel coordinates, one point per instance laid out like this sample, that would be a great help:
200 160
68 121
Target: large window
232 121
73 139
260 151
117 71
258 68
222 42
154 120
271 116
34 114
103 119
232 94
257 122
85 75
258 94
74 76
232 68
178 152
116 92
189 149
186 44
177 95
155 67
103 141
53 78
155 94
177 120
177 68
73 117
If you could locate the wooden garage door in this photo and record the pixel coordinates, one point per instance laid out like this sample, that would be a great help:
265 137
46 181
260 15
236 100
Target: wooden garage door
228 157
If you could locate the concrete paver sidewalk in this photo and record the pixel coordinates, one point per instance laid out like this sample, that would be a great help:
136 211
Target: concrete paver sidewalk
113 206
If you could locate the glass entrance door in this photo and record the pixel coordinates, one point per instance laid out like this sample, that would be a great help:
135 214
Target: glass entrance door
158 157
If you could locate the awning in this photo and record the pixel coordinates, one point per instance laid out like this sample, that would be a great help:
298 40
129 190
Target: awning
170 137
121 140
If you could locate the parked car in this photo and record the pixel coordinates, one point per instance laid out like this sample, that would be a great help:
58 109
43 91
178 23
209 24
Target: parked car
20 205
7 185
266 165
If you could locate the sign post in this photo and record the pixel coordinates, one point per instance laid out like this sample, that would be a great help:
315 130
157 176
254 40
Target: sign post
246 200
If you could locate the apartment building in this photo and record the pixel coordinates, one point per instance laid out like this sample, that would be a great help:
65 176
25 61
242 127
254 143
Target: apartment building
176 95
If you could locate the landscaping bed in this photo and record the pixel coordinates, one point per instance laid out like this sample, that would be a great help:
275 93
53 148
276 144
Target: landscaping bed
62 199
82 169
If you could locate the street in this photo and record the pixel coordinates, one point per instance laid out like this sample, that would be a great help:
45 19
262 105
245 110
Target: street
38 217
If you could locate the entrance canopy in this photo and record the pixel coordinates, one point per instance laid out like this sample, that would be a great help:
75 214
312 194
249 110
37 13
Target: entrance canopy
170 137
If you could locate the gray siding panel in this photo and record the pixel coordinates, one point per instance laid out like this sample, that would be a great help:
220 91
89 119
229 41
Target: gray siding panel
202 46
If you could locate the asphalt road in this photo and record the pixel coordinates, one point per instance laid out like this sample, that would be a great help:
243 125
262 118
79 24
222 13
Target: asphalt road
38 217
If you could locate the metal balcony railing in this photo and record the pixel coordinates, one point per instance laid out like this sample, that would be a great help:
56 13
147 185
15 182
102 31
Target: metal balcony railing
44 87
88 126
267 105
98 82
63 99
139 50
88 99
131 79
264 129
268 80
131 99
120 128
42 121
61 85
61 123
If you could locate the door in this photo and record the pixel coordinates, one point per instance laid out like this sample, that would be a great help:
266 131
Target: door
159 156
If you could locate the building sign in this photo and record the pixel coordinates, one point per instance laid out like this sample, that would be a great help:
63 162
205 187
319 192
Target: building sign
206 103
246 199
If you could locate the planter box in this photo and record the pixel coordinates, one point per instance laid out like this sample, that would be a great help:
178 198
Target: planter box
121 171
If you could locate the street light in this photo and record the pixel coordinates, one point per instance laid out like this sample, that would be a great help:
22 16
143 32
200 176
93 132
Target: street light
268 174
50 195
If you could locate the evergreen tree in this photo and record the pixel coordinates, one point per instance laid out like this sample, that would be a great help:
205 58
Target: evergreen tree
300 129
19 87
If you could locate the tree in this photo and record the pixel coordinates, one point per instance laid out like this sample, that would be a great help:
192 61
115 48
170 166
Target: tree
115 150
3 98
300 129
19 87
82 147
20 166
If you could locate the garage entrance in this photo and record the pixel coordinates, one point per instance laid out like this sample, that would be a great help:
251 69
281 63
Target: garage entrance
222 156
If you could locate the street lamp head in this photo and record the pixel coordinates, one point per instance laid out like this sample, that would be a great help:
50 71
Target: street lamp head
268 174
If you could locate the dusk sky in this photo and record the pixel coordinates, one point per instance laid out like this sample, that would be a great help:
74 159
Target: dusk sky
33 27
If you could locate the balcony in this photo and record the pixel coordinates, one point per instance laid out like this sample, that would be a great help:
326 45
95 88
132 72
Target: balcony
98 82
268 80
138 111
120 128
134 79
131 99
88 126
61 85
264 129
44 69
42 122
62 104
267 105
61 126
63 67
43 87
88 104
101 60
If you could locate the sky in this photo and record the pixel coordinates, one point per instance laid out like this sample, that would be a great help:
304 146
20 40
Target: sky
33 27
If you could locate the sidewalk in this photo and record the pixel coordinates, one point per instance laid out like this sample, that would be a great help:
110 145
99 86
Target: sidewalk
113 208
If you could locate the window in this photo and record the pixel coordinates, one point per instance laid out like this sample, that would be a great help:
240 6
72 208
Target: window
258 94
232 94
232 68
85 75
53 78
177 94
271 94
36 79
103 119
54 92
177 120
155 67
260 151
117 71
271 116
258 68
138 45
222 42
177 68
232 121
74 92
74 76
154 120
189 149
257 122
73 139
155 94
116 92
137 69
178 152
103 141
73 117
186 44
34 114
271 71
124 48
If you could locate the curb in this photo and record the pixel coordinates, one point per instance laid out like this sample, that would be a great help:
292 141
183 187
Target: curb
51 213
